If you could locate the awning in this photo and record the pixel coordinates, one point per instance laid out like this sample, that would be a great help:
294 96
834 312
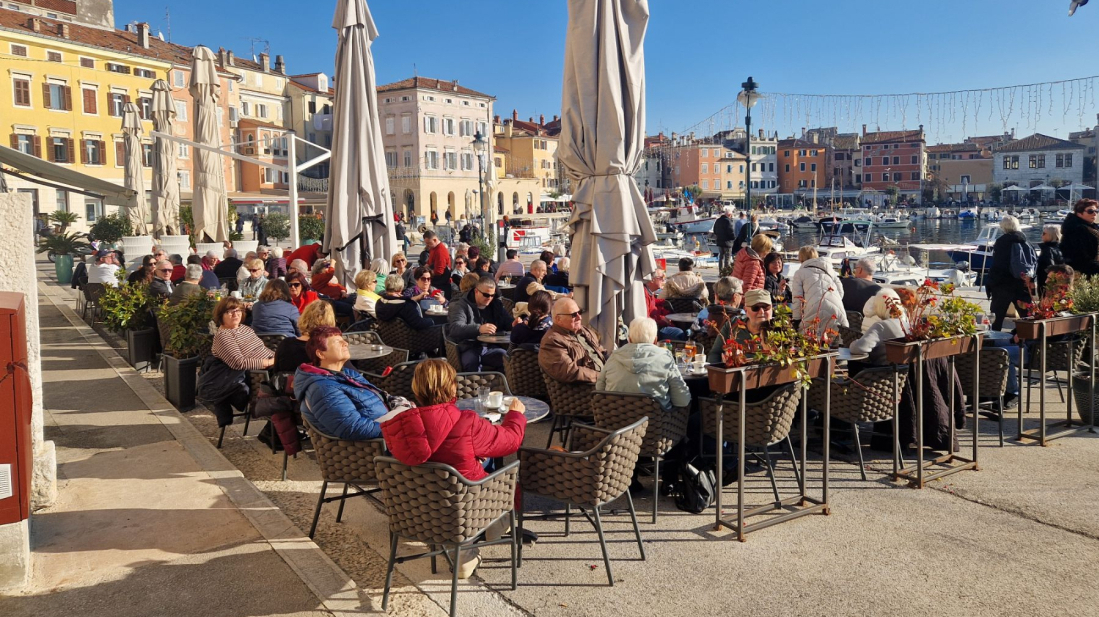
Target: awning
109 192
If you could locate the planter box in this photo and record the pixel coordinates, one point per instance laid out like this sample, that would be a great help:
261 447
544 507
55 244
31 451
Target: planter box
904 352
63 268
726 380
1028 328
244 246
141 346
180 381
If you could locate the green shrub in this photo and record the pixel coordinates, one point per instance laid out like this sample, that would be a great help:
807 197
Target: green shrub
111 228
64 219
187 325
309 228
127 307
1085 295
277 226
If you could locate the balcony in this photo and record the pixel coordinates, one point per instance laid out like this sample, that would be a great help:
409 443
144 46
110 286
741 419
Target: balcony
322 122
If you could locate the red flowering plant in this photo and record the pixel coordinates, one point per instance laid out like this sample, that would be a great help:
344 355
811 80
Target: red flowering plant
935 313
779 342
1056 300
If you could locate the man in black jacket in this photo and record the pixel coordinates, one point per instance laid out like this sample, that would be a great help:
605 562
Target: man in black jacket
478 312
227 268
724 235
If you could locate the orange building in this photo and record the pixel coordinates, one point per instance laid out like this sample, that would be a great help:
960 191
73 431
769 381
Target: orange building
801 165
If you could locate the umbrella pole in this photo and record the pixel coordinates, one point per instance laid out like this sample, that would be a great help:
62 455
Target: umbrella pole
292 164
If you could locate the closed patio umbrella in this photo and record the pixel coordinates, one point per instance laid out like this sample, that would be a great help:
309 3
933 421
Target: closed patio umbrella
165 181
132 178
359 214
210 203
602 139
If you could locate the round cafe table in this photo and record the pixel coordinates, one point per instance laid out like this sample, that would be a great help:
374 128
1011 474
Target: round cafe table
367 351
535 411
682 318
847 356
439 317
495 339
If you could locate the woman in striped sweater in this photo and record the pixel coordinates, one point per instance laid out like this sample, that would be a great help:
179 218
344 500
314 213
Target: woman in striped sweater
240 349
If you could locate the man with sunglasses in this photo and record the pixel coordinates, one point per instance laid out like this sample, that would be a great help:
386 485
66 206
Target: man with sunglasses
161 285
758 314
571 351
476 313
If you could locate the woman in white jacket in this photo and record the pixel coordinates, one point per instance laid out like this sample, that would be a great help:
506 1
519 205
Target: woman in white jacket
885 327
817 293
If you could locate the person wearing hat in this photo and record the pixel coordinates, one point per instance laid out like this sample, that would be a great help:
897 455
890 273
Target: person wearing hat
757 314
104 270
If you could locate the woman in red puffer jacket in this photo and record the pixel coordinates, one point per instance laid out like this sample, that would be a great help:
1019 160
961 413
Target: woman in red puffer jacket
748 263
438 432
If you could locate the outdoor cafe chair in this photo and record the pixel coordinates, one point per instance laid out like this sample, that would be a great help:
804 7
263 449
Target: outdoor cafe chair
524 373
1064 355
597 470
255 379
995 363
568 402
398 381
90 294
378 365
271 341
854 320
470 383
434 504
343 461
667 427
686 305
396 333
453 356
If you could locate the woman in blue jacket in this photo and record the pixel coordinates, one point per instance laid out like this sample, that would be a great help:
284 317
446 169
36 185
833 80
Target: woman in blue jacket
274 314
335 398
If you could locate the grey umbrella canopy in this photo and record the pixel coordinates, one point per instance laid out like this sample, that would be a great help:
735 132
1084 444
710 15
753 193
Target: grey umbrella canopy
132 178
209 204
359 214
602 138
165 181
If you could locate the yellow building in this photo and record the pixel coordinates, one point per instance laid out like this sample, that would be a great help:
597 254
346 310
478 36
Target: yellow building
532 148
515 194
61 98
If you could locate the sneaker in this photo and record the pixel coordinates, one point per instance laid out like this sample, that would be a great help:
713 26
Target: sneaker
1011 400
472 559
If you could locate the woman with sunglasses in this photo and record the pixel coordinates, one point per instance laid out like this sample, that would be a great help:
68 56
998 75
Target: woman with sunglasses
300 294
400 268
460 270
422 292
143 274
394 305
1080 238
252 286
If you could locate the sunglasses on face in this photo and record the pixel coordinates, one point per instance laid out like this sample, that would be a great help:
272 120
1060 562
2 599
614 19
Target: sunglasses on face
165 269
254 270
424 278
1090 211
492 295
759 308
573 315
295 285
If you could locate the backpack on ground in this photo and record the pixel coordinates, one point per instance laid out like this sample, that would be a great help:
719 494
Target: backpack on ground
695 486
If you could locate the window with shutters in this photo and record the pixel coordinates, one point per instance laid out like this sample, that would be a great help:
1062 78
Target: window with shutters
390 159
145 107
146 73
116 103
184 151
408 158
56 96
89 97
450 160
22 87
390 124
184 177
179 78
87 63
448 126
119 154
118 68
245 108
181 111
60 150
431 159
62 200
19 50
53 56
406 123
431 124
467 160
261 110
23 143
93 209
465 128
93 152
147 155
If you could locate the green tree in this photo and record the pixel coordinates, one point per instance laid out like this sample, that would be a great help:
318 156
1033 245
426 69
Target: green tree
64 219
277 226
111 228
995 191
891 193
309 227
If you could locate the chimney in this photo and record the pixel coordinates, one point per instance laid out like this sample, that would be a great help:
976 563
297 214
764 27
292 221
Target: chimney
531 119
280 65
761 134
229 58
265 63
921 130
63 30
864 130
455 85
541 119
143 34
556 117
508 128
515 115
34 24
496 119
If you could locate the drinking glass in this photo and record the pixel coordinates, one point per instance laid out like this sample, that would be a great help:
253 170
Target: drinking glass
689 351
679 353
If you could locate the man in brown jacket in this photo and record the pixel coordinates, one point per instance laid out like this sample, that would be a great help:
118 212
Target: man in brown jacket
570 351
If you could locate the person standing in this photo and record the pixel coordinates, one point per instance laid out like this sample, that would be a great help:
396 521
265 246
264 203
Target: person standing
1080 238
240 224
748 263
739 224
1009 278
402 236
438 261
255 226
1050 255
261 231
725 234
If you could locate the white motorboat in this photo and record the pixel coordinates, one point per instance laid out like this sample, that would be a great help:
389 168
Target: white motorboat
932 213
891 222
840 245
895 270
1059 215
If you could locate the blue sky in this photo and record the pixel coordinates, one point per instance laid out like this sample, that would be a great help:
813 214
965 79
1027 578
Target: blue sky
698 52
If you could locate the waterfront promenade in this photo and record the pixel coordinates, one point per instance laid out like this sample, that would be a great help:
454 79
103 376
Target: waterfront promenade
152 520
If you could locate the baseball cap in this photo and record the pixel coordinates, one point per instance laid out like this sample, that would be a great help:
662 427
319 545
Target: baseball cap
757 296
102 254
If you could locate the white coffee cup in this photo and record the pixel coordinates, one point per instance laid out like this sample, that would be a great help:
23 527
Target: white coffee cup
699 363
495 399
235 294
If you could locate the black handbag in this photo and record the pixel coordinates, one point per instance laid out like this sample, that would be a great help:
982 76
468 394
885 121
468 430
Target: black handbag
218 381
695 487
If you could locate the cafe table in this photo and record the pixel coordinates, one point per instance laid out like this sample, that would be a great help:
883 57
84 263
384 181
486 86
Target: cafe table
368 351
534 409
495 339
682 318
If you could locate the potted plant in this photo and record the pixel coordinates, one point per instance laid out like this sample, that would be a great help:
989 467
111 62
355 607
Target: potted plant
128 309
1055 311
111 228
310 228
64 218
939 324
186 340
60 248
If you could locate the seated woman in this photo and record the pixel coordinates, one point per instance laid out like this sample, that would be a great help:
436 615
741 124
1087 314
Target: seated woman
322 281
643 367
276 264
559 281
527 333
144 274
460 270
774 282
300 294
240 349
393 305
728 301
334 397
422 292
469 281
380 267
275 313
252 286
881 309
365 297
291 351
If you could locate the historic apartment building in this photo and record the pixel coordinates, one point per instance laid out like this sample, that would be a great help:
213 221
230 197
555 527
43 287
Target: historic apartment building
802 166
1038 159
893 159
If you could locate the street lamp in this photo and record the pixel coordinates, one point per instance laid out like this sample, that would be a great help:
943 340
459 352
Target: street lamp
748 97
480 146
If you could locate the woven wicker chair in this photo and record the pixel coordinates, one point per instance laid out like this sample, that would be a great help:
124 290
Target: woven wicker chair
568 401
525 374
866 397
255 379
686 305
766 423
470 383
995 363
378 365
509 304
363 323
667 427
854 320
346 461
396 332
363 337
432 503
271 341
91 293
453 356
597 470
398 381
229 282
848 335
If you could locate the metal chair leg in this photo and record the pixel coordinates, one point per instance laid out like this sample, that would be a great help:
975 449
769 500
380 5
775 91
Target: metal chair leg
519 515
317 512
1001 422
636 529
454 580
568 517
247 421
285 461
434 561
770 473
793 459
553 430
343 500
603 545
389 568
656 486
858 448
221 437
514 550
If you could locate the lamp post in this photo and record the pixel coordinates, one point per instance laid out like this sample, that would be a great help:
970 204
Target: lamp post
748 97
480 144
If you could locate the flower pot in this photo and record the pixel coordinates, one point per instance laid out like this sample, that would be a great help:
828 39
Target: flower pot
1027 329
141 347
176 245
180 379
134 248
63 268
726 380
202 247
900 351
244 246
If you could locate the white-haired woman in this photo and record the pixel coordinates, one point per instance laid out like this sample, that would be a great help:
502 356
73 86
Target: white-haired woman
1009 278
817 294
1050 254
643 367
276 263
883 326
380 267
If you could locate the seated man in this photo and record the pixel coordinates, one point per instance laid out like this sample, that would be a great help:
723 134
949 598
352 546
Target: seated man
571 351
859 287
532 282
511 267
161 287
209 279
189 286
686 283
227 268
179 271
104 270
476 313
658 309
